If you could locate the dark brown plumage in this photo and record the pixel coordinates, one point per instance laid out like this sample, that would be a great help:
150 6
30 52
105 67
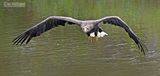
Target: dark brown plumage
119 22
90 27
40 28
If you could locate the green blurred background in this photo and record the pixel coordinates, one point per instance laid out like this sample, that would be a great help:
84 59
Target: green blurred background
66 51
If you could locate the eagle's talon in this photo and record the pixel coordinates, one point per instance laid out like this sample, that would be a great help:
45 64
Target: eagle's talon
93 39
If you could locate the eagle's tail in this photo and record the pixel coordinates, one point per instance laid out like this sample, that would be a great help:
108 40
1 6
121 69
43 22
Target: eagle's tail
99 33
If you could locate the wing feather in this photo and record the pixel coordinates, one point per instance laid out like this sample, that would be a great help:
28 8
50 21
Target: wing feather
43 26
114 20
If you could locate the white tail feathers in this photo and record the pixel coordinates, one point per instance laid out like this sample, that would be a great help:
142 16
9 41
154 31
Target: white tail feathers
92 34
99 34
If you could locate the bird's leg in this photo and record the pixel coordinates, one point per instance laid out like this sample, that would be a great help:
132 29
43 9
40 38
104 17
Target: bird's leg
90 38
93 39
96 38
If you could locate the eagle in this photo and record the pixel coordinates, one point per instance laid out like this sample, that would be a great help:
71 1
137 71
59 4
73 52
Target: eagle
90 27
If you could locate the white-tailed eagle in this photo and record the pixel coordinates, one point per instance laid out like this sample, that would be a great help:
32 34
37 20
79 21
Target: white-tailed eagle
90 27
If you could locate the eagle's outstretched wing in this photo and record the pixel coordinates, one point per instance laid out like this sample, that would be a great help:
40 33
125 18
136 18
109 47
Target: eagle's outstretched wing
43 26
115 20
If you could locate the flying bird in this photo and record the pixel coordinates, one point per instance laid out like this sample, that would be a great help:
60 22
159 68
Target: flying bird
90 27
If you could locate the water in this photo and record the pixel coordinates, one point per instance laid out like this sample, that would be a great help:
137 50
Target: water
66 51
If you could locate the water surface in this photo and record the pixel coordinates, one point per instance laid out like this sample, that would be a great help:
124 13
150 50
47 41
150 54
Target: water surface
66 51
